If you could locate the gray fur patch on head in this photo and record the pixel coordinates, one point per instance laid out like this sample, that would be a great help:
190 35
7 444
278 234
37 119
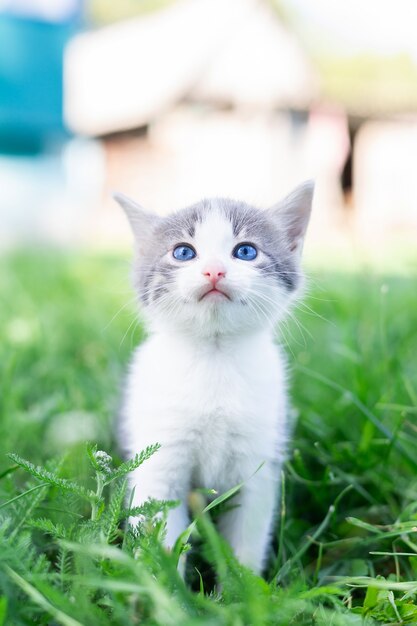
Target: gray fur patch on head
184 222
153 273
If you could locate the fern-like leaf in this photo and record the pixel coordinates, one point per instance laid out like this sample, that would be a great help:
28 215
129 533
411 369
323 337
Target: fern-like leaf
112 516
25 508
149 509
64 563
53 479
132 464
57 531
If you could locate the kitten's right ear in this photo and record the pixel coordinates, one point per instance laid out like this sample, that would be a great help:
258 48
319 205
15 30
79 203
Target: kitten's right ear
141 221
292 215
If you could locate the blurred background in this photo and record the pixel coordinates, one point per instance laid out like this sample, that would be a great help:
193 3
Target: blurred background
173 100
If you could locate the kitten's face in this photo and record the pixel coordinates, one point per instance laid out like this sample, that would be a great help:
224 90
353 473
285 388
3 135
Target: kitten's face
218 267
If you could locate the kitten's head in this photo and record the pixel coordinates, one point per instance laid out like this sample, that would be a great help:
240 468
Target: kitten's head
219 266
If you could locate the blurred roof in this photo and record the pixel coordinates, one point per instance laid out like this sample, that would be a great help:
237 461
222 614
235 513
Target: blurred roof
124 75
260 62
242 53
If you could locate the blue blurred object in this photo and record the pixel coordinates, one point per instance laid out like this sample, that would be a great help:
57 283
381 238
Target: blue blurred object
31 81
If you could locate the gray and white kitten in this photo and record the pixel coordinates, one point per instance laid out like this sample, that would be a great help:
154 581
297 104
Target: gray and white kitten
209 383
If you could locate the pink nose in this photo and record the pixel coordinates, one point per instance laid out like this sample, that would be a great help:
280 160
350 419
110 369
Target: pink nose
214 272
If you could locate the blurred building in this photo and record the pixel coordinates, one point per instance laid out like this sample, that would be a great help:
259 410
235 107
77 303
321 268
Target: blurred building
244 98
213 98
203 98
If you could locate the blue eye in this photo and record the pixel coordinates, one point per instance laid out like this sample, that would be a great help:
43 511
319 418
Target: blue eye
184 253
245 252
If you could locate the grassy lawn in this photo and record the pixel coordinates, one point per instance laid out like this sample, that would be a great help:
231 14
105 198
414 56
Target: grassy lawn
346 547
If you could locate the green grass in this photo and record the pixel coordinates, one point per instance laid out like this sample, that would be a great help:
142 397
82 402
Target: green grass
345 551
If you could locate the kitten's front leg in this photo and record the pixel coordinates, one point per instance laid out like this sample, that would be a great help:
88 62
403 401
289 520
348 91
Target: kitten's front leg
249 525
163 477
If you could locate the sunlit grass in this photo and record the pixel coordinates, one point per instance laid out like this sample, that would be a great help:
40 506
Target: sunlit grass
345 551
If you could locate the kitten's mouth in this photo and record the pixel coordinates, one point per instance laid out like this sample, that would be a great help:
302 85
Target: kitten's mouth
215 293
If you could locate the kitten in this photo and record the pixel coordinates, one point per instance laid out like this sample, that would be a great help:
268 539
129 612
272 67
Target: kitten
209 383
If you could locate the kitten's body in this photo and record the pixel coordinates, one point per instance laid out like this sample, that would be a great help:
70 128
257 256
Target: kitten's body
218 410
209 383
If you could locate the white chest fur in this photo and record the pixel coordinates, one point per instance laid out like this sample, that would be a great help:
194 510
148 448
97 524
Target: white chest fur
220 404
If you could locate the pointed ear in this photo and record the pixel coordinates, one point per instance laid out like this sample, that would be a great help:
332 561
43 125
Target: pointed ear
292 215
141 221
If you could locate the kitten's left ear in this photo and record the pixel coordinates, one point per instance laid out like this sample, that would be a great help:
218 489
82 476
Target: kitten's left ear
292 215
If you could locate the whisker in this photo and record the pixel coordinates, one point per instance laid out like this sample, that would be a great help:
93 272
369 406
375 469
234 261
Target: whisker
134 321
128 303
310 311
